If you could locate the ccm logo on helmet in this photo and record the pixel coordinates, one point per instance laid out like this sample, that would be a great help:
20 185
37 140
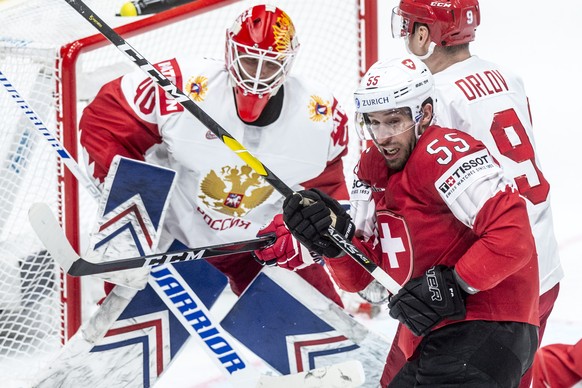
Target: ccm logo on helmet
439 4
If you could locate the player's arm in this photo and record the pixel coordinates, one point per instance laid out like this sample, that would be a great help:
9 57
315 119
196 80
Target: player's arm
309 225
491 206
112 124
504 246
349 275
505 243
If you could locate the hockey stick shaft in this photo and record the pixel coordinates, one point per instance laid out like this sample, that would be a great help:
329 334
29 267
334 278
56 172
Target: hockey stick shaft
189 104
48 229
49 137
82 267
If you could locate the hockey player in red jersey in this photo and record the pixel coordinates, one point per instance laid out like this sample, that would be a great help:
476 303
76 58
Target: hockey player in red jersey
218 198
443 221
489 102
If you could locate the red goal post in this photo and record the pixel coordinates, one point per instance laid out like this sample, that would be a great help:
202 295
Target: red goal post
57 62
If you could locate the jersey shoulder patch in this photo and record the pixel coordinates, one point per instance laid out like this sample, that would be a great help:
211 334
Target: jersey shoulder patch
464 172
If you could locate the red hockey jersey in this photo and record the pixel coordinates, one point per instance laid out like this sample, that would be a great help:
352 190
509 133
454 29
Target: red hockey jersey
450 205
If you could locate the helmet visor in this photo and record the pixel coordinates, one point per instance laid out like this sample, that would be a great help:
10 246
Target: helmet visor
400 24
385 124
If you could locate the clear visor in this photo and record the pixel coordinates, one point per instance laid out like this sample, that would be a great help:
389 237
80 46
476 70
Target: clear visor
256 70
400 24
383 125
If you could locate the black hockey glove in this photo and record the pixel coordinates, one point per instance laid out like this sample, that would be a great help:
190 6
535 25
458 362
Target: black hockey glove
308 215
425 301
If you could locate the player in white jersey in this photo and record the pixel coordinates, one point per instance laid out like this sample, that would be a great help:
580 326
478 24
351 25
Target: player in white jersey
489 102
295 127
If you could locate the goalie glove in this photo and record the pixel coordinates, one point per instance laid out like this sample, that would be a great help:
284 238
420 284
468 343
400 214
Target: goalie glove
309 213
286 252
425 301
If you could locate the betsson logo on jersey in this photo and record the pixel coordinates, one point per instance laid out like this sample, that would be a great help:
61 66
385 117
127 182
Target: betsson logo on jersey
464 173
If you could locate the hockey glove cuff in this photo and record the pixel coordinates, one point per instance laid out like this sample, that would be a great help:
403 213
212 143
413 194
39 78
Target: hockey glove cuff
309 213
286 252
425 301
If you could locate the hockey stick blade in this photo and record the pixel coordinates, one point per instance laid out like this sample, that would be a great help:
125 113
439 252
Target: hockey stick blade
346 374
50 233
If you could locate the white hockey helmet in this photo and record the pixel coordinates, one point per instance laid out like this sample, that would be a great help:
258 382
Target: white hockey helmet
403 82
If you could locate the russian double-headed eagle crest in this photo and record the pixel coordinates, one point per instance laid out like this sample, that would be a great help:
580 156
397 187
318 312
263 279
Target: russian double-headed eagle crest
319 110
196 87
234 191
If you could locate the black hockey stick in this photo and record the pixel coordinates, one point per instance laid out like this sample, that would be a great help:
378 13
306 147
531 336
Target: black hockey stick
48 229
189 104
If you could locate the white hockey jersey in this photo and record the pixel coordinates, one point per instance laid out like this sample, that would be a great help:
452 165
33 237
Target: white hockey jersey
218 198
489 102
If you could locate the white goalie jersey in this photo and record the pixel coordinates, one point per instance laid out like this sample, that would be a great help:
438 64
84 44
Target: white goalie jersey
218 197
490 103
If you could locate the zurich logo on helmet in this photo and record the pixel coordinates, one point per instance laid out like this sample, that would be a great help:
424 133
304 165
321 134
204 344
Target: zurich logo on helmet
357 102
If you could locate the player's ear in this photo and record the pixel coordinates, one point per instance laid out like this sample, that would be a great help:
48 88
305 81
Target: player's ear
427 115
422 34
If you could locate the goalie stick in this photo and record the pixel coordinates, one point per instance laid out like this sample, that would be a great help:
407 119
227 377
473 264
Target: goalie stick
189 104
49 137
49 231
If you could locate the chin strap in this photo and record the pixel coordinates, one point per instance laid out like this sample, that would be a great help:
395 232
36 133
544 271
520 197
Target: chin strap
431 47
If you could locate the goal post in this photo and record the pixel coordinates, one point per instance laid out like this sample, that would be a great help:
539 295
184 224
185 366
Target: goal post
57 61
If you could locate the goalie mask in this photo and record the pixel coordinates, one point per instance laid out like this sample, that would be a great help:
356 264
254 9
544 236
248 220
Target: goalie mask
261 46
392 86
450 22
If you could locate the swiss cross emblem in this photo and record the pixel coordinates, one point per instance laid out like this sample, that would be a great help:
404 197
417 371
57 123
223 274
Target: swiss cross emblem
233 200
409 63
396 246
447 184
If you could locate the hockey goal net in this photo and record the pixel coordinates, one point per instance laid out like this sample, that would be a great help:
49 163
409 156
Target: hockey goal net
56 62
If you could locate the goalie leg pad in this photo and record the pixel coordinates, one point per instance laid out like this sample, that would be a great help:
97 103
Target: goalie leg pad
130 217
293 328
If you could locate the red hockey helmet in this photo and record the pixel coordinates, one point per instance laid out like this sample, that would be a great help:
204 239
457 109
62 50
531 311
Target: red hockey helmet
451 22
260 48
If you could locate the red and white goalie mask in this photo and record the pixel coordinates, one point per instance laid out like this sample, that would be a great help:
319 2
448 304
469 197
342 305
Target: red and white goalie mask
260 48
